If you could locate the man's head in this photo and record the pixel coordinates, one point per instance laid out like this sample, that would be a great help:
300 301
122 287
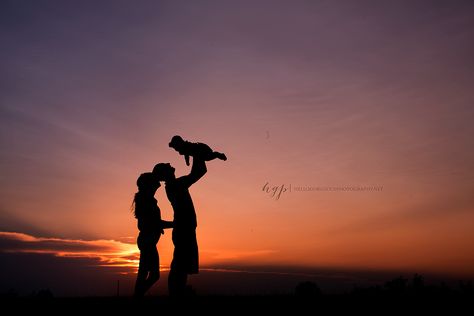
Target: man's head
164 171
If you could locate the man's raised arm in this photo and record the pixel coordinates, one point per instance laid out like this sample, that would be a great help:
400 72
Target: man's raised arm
197 171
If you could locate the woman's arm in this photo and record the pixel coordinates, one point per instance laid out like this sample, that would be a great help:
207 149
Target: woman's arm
167 224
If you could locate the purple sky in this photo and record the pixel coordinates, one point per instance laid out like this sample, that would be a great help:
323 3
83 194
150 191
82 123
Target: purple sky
300 93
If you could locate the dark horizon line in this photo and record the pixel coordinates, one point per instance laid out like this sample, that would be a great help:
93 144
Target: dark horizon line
315 270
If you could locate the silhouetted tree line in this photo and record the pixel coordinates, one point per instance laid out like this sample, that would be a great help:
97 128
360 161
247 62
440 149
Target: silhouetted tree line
40 294
397 287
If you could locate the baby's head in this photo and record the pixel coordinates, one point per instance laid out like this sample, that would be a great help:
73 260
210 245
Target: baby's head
176 142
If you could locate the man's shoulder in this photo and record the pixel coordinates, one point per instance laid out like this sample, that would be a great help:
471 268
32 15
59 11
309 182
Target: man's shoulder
177 182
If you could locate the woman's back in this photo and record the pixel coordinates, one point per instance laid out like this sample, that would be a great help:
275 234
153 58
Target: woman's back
148 214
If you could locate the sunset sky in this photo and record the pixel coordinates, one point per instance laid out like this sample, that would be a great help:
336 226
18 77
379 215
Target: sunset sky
359 114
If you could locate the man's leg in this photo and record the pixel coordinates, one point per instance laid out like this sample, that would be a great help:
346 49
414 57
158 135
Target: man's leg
177 282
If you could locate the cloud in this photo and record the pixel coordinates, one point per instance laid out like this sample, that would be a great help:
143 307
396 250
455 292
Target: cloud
110 253
72 267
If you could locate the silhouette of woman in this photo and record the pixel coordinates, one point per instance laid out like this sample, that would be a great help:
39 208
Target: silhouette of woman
151 227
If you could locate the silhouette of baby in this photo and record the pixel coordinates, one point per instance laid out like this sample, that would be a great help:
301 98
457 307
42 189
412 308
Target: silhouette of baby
198 150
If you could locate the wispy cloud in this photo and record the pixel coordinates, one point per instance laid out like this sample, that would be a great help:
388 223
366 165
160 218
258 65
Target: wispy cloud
110 253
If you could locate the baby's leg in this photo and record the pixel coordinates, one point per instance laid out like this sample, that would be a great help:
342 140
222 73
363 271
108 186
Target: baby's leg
217 155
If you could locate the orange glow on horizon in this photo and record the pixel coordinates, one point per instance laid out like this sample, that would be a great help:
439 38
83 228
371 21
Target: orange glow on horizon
112 253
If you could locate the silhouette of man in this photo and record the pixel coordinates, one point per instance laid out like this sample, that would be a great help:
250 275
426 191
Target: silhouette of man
185 256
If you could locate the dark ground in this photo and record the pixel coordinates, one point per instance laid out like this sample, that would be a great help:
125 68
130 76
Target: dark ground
223 305
397 296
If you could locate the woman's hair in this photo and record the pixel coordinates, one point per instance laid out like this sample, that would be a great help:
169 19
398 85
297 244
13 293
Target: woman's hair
144 181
